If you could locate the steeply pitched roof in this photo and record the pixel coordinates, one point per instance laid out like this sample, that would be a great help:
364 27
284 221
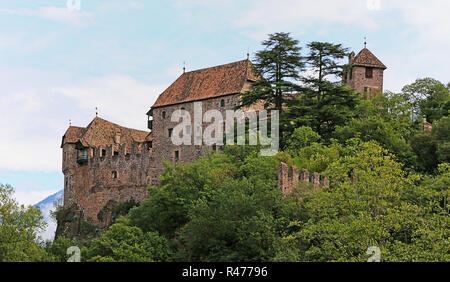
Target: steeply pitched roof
367 59
207 83
101 132
73 134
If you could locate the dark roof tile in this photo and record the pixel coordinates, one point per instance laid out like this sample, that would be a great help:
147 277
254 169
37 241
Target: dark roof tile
367 59
208 83
101 132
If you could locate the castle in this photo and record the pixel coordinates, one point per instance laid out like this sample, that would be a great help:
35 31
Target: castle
105 164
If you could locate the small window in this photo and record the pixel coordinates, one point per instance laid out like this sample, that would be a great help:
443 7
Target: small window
114 174
222 103
170 132
183 110
176 155
163 114
103 153
369 72
351 74
214 147
116 153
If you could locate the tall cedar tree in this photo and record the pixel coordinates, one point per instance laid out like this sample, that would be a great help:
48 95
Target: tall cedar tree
279 65
324 103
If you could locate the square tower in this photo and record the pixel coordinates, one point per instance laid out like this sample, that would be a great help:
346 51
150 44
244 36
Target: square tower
365 74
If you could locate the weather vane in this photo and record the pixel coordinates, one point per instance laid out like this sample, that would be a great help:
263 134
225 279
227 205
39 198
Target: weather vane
184 67
365 42
96 111
70 122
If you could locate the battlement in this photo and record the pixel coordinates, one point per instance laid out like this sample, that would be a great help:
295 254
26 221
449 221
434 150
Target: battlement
119 151
289 178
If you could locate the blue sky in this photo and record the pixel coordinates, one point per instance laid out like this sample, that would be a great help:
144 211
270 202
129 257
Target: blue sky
58 64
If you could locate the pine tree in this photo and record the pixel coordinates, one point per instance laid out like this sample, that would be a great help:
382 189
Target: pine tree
324 102
279 65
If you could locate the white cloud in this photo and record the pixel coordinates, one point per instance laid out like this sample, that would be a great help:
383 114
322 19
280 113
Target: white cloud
63 15
120 98
36 114
268 16
31 197
120 6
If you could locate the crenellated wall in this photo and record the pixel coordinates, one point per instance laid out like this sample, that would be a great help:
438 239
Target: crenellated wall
290 177
111 174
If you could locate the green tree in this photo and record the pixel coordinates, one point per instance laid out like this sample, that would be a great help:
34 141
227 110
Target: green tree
57 249
19 226
441 133
279 65
122 243
301 137
324 102
428 95
424 146
369 203
166 208
376 129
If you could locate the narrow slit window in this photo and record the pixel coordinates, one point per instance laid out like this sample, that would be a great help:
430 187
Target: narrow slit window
369 72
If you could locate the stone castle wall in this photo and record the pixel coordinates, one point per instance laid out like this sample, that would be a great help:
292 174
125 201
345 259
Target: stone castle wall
110 175
359 81
162 146
290 177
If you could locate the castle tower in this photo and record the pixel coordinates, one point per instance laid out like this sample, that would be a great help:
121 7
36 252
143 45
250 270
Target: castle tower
365 74
215 87
104 164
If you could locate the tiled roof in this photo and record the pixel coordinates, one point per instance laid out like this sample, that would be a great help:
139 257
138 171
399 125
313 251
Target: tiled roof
101 132
367 59
207 83
73 133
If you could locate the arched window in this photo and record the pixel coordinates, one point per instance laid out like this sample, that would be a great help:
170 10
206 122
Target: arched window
182 111
114 174
163 114
222 103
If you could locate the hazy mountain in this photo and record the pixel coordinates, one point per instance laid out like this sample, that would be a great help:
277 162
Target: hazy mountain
47 205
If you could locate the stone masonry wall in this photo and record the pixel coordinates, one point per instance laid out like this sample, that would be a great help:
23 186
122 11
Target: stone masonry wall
359 80
96 186
289 178
162 146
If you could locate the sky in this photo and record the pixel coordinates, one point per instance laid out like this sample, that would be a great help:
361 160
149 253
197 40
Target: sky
58 60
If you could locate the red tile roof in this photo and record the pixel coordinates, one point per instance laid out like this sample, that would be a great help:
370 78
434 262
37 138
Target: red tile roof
207 83
73 134
367 59
101 132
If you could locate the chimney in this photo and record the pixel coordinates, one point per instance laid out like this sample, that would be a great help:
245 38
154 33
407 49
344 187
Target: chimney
351 57
117 137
